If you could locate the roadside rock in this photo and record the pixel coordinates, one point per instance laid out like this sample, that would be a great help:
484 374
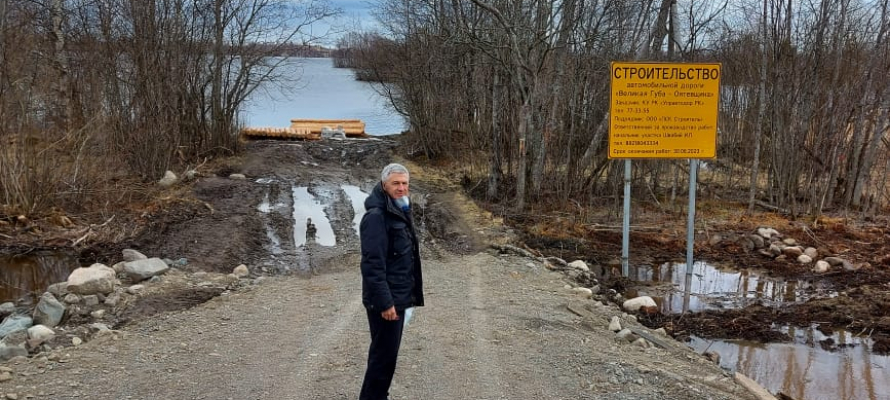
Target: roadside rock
8 351
168 180
812 252
241 271
580 265
804 259
15 322
41 333
793 251
58 289
758 240
627 335
835 261
49 311
133 255
767 233
141 270
821 267
96 278
584 292
7 309
637 303
615 324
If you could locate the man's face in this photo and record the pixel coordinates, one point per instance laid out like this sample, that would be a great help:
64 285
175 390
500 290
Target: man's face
396 185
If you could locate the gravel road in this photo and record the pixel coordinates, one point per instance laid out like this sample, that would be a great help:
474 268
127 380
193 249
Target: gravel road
495 327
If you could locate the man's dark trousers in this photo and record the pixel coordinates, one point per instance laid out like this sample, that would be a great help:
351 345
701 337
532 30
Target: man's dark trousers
386 336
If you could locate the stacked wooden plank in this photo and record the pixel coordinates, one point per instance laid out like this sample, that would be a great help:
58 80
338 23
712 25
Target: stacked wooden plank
279 133
351 127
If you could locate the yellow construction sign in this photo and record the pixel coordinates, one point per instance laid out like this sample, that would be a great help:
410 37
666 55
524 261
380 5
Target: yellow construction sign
664 110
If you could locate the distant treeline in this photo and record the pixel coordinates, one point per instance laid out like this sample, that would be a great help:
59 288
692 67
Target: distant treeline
294 50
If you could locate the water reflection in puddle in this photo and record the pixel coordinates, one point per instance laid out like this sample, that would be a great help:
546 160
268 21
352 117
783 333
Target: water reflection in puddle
266 207
307 206
814 366
357 197
714 289
804 370
27 276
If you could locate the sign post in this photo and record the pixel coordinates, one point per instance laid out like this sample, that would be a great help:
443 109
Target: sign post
663 110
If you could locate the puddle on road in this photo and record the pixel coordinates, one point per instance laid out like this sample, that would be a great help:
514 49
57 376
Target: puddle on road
266 207
307 206
357 197
717 289
814 366
804 369
27 276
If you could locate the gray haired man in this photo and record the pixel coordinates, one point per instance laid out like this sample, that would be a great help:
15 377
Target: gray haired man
391 275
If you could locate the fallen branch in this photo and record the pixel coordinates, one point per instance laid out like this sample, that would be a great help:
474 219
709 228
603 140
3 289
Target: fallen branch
89 230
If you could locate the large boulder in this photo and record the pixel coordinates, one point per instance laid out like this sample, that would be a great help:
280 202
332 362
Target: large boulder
637 303
14 323
49 311
97 278
141 270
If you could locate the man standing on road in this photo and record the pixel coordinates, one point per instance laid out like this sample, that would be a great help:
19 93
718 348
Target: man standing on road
391 275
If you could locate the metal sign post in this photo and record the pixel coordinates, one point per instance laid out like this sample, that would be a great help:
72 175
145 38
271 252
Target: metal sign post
625 226
663 110
690 223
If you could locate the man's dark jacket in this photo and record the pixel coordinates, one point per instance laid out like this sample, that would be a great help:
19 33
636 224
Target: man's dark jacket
391 274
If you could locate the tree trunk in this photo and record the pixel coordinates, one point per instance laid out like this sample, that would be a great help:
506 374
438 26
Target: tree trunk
521 169
660 29
57 12
761 115
216 107
494 164
869 158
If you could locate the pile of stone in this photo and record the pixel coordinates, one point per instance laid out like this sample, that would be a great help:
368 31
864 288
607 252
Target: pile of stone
96 293
771 243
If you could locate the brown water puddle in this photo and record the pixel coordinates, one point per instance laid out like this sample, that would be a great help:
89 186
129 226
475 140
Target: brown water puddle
714 288
814 366
811 364
26 276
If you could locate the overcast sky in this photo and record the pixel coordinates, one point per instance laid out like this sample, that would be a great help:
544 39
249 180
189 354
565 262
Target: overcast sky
356 13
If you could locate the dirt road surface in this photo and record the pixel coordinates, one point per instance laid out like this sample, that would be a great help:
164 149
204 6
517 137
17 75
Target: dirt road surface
496 326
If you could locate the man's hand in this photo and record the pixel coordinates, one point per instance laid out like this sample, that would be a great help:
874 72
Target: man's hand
390 314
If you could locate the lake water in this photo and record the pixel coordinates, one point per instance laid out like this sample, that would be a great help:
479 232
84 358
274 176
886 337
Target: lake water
322 92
